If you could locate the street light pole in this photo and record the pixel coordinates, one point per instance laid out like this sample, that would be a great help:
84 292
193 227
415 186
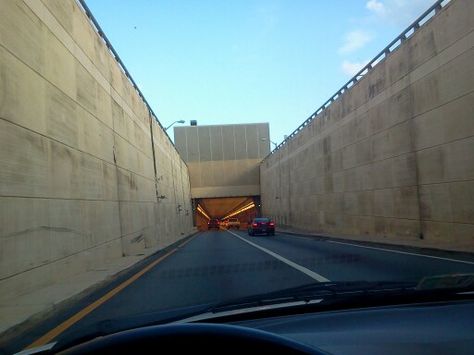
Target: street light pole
267 139
180 121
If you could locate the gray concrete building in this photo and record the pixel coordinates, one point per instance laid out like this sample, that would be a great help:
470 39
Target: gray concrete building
223 160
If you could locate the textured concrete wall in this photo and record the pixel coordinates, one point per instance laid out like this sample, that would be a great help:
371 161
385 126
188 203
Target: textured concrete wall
77 180
223 160
392 159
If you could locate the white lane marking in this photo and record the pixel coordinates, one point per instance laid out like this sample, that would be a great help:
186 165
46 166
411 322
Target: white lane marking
300 268
403 252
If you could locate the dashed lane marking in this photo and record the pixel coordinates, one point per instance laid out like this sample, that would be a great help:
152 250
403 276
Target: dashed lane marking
307 272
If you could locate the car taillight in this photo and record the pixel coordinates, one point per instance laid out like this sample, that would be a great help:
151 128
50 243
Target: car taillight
271 224
254 224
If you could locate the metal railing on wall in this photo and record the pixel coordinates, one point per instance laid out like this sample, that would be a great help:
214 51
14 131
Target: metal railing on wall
407 33
122 66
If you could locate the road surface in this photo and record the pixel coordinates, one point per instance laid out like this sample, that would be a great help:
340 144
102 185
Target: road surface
221 265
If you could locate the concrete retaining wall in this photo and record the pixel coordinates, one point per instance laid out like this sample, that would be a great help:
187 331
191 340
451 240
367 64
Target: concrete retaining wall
78 185
392 159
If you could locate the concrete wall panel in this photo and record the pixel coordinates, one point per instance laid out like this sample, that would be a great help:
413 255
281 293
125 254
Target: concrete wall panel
398 147
77 184
220 157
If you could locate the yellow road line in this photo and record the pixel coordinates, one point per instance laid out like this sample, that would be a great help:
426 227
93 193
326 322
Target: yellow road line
53 333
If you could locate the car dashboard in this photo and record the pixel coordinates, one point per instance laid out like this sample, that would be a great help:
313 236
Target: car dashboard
433 328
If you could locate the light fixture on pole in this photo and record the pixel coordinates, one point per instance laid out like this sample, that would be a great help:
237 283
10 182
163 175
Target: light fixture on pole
266 139
180 121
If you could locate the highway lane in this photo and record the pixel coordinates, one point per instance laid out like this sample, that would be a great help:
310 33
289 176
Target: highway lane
221 265
214 266
341 261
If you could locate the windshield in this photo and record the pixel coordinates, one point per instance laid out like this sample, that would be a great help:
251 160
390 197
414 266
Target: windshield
160 158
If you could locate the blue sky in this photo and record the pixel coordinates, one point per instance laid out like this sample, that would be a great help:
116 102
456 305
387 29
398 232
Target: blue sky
241 61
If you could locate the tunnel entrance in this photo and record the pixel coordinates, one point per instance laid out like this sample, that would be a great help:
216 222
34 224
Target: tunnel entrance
243 208
224 169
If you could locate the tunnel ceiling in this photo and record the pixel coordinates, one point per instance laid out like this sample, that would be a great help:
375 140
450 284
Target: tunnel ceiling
219 207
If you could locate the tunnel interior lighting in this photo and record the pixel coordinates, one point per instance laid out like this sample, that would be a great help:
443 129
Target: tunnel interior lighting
240 210
201 210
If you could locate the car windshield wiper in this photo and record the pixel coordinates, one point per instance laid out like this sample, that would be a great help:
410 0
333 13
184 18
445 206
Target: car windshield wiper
447 284
309 292
320 295
303 293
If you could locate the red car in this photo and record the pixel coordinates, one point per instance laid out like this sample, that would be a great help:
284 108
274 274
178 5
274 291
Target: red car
213 223
261 225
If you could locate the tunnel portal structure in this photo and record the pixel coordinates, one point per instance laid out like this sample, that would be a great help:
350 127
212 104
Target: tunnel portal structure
224 168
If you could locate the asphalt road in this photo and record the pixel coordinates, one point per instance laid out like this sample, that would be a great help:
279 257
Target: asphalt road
219 266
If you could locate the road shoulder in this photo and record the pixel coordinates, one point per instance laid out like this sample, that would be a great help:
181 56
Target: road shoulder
27 311
445 254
